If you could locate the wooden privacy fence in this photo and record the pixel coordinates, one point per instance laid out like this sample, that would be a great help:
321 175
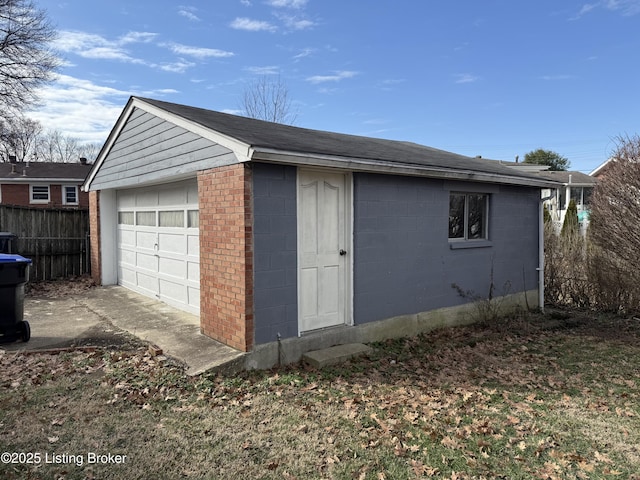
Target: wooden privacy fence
56 240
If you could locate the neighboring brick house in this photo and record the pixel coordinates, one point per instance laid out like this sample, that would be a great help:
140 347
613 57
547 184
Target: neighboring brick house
44 184
285 239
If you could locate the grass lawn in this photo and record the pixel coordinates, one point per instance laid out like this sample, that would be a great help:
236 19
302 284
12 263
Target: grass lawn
529 397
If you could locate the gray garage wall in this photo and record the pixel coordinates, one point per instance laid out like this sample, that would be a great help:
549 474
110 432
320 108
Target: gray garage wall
275 259
403 262
402 259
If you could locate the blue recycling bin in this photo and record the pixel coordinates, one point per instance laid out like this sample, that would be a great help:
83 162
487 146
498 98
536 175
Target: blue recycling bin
14 274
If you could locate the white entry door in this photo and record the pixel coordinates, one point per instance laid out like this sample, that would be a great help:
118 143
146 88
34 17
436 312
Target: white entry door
323 256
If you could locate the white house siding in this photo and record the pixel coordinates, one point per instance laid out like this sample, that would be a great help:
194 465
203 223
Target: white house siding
151 150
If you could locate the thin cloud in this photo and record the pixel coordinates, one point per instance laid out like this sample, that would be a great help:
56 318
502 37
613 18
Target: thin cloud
466 78
287 3
176 67
626 8
89 45
189 13
246 3
137 37
198 52
295 23
88 111
304 53
243 23
556 77
268 70
336 77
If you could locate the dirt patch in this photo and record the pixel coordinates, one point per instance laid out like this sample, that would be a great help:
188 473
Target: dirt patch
59 288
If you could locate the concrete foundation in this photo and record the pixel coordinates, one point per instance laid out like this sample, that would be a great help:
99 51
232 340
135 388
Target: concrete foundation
291 350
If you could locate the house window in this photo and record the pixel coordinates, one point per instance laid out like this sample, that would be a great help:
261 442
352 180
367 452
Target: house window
581 195
468 216
39 193
69 195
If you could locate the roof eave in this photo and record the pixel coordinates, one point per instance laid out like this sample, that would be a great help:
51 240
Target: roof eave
380 166
28 179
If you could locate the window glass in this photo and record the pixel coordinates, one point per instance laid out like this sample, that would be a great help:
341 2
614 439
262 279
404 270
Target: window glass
477 207
146 219
193 219
468 216
70 194
40 192
456 216
586 196
173 218
576 195
125 218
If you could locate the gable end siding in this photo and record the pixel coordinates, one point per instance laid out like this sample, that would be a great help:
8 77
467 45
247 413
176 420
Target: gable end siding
149 149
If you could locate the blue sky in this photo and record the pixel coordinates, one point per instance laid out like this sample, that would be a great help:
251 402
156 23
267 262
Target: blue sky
490 78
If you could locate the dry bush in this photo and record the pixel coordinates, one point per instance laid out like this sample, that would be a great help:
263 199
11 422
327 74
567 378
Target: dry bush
567 279
600 271
615 229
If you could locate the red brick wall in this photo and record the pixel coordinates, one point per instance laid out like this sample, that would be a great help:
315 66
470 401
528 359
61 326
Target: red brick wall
18 194
94 230
226 255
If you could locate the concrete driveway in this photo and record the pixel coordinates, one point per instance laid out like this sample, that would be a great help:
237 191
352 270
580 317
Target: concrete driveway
117 317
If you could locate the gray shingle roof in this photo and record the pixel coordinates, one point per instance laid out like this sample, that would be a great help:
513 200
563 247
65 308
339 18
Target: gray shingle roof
567 177
285 138
43 170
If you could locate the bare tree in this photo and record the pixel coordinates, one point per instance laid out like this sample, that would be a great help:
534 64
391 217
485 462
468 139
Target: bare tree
268 99
19 138
90 151
56 147
614 220
26 59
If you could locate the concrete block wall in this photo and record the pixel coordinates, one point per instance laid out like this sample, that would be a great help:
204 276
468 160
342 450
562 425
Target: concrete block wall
226 255
275 244
403 262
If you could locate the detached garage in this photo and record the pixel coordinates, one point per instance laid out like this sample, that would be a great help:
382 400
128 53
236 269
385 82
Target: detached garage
284 239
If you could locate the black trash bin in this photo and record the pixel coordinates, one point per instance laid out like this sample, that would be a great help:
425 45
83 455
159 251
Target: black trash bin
7 242
14 273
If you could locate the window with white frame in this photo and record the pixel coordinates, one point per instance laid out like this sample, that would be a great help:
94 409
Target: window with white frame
468 216
69 194
39 193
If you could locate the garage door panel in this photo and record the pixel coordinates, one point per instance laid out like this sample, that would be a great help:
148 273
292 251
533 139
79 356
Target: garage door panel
147 198
175 243
172 267
194 297
173 291
159 245
126 276
193 245
126 237
127 256
193 271
147 282
146 240
147 262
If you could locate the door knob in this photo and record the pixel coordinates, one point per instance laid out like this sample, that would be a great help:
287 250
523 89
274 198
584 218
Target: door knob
343 252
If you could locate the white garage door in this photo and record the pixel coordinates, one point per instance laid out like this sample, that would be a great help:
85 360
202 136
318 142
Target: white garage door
158 243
